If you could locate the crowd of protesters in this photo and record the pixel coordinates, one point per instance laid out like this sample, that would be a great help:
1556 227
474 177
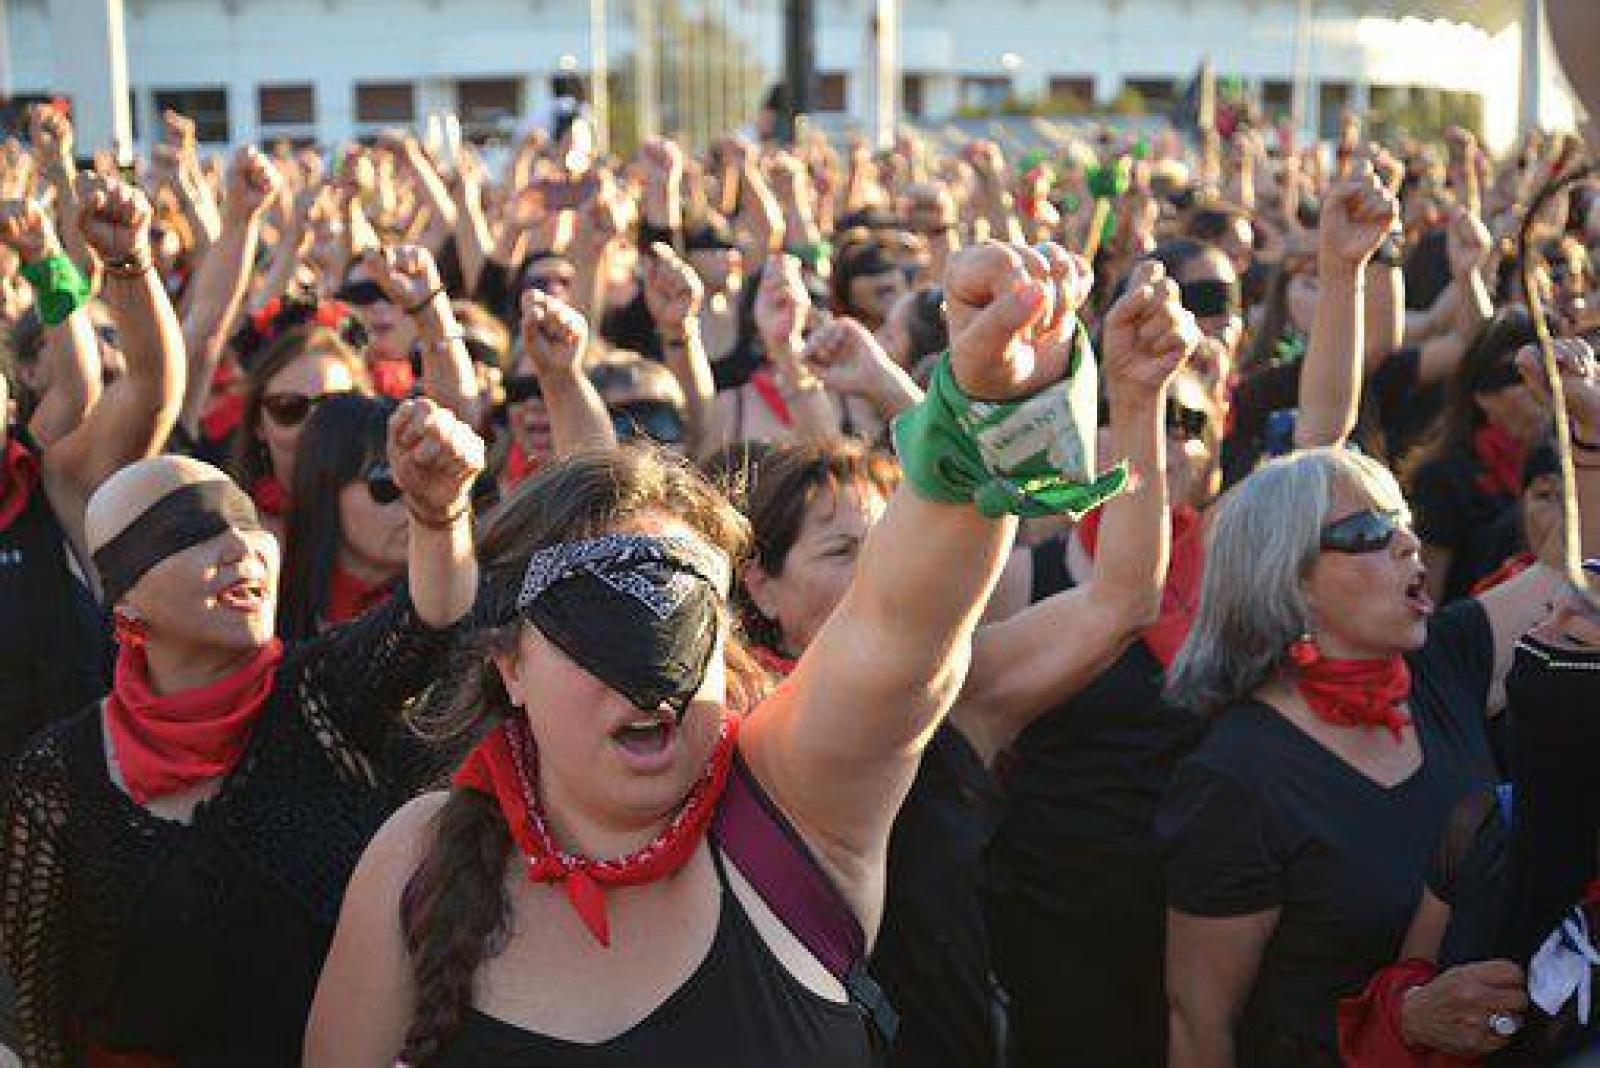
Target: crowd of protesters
797 604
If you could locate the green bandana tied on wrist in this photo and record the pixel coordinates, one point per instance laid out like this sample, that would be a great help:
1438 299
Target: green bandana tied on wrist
1031 457
58 288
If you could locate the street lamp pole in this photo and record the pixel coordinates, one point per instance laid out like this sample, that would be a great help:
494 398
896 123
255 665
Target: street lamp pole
599 76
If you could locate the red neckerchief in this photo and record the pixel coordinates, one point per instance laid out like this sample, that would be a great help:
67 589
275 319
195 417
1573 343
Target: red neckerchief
1513 567
1180 594
225 406
349 596
19 477
392 378
767 387
165 743
505 766
1352 693
519 465
1501 455
1369 1024
270 495
774 661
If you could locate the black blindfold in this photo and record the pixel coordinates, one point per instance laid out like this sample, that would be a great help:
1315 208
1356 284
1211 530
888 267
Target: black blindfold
180 520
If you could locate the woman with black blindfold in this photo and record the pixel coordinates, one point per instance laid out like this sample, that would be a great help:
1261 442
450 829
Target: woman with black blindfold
198 826
573 854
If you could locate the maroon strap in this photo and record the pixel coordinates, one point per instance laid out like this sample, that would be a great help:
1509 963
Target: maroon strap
770 855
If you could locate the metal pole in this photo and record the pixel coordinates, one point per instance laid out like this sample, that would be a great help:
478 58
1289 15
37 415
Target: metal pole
1300 108
1531 102
886 67
799 62
647 76
599 76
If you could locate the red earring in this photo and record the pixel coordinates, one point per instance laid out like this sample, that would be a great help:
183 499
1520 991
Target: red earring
1303 651
130 631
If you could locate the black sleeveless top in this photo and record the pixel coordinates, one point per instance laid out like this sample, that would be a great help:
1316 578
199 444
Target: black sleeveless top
740 1007
54 656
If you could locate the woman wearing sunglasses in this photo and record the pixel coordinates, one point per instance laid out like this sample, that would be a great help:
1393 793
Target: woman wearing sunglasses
295 373
1347 728
176 854
346 548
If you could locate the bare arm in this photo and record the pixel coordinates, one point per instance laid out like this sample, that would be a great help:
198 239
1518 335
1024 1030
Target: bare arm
474 239
1469 246
555 335
674 294
224 276
1211 966
837 746
1358 214
410 277
435 458
1023 667
782 308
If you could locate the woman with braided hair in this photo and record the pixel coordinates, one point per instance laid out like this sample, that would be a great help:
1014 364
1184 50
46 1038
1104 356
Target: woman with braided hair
481 924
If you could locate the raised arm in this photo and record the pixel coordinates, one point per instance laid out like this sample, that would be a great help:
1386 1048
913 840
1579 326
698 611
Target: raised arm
70 358
474 239
674 294
224 275
1469 247
432 193
851 363
137 412
837 746
410 277
51 133
1356 216
554 335
1032 662
435 458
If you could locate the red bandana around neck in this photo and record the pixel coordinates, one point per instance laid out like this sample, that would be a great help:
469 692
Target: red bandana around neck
164 743
1502 456
349 596
19 476
270 495
1353 693
225 407
1180 594
519 465
504 765
767 387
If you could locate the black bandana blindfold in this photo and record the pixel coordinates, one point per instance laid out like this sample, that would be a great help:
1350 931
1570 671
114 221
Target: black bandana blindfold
641 614
180 520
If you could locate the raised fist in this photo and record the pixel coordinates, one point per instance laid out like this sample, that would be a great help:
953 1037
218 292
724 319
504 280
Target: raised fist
847 358
672 291
253 183
50 130
1467 242
662 159
435 458
113 217
1357 215
554 334
26 229
1148 334
180 130
1010 309
407 274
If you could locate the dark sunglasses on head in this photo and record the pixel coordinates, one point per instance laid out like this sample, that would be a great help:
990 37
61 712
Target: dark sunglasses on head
522 387
381 485
1367 531
660 421
1210 296
550 283
361 294
291 409
1188 423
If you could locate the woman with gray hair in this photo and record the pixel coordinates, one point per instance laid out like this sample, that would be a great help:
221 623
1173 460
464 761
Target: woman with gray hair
1347 730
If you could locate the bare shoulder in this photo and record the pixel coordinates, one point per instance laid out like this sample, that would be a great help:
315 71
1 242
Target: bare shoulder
400 843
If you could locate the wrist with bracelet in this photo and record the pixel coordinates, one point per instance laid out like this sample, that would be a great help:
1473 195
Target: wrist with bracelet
426 302
130 266
449 520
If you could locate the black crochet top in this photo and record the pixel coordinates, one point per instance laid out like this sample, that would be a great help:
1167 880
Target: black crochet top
202 942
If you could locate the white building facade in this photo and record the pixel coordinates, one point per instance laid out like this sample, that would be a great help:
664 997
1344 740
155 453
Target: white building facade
330 70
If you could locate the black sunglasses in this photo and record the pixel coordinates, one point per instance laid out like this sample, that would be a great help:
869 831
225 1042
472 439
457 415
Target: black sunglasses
522 387
361 294
1189 424
660 421
1367 531
381 486
291 409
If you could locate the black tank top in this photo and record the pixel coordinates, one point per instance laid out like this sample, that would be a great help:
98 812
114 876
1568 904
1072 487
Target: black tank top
740 1007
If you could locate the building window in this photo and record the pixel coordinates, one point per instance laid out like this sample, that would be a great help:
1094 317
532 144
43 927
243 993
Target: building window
1071 93
386 103
1158 94
1277 99
832 90
984 92
488 107
912 100
287 112
1333 98
207 107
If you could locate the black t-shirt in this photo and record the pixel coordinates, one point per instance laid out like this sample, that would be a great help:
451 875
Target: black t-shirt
1481 528
932 954
1262 817
1085 779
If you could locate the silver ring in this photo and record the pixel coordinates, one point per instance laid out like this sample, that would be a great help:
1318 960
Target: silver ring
1503 1024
